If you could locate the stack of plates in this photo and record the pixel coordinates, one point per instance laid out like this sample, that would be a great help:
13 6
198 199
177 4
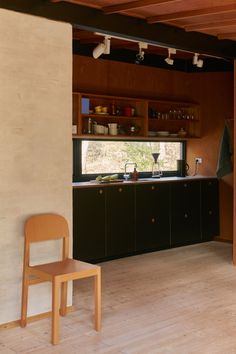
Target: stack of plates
162 133
151 133
174 135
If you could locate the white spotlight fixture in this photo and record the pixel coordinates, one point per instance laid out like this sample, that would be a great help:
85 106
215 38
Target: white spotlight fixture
140 55
102 48
200 63
168 60
196 61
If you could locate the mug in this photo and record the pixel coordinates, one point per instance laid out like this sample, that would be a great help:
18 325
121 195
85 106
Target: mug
182 168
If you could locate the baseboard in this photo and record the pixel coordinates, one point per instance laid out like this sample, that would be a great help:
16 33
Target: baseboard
31 319
220 239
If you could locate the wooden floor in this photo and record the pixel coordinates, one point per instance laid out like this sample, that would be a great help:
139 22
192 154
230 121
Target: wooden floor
179 301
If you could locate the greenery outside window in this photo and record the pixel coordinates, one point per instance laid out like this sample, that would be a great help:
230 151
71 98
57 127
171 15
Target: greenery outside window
102 157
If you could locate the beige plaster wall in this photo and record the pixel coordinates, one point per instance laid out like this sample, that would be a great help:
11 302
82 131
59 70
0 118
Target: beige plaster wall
35 145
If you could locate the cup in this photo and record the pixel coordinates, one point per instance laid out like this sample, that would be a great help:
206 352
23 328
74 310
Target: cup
112 128
99 129
182 168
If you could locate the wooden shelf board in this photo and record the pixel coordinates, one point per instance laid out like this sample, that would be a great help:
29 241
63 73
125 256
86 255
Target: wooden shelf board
173 120
93 115
130 137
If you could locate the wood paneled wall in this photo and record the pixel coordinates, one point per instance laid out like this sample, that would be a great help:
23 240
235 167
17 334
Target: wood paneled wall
214 92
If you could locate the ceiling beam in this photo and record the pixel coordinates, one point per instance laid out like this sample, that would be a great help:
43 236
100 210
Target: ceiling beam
214 10
76 2
210 25
136 29
132 5
231 35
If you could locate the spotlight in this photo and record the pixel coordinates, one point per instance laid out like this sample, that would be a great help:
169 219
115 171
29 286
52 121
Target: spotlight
196 61
99 50
102 48
168 60
140 55
200 63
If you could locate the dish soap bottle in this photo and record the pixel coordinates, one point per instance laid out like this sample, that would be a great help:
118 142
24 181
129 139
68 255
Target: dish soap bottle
134 174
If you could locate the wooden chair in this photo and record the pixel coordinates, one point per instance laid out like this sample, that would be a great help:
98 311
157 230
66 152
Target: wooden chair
51 227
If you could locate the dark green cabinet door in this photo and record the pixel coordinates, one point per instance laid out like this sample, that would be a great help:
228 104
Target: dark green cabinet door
120 220
185 213
152 216
210 209
89 224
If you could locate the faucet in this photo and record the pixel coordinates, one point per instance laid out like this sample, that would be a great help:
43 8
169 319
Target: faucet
127 174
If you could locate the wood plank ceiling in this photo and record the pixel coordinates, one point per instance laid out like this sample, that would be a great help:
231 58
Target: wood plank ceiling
212 17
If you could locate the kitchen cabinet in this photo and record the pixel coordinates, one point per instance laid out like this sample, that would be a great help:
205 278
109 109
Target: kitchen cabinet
123 219
136 118
210 209
152 216
120 207
89 237
185 213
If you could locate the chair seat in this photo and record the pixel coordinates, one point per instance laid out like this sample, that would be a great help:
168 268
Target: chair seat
67 266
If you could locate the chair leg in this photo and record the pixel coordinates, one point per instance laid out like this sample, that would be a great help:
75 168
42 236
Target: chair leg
64 287
24 300
55 311
98 300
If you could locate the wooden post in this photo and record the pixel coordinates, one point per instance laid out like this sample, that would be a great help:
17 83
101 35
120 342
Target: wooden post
234 176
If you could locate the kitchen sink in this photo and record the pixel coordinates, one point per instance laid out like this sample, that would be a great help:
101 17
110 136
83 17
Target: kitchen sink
148 179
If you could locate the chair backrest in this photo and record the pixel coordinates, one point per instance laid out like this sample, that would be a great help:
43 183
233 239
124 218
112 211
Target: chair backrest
46 227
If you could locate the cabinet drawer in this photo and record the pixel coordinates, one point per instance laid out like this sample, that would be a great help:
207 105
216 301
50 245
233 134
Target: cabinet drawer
185 195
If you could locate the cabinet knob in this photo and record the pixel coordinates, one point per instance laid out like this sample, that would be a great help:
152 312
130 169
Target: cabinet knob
185 185
120 189
153 187
100 191
209 183
153 220
186 215
210 212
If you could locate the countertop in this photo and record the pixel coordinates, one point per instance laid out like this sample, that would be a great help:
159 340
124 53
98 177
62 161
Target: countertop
139 181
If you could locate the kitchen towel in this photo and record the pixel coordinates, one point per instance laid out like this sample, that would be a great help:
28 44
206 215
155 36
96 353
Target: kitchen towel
225 165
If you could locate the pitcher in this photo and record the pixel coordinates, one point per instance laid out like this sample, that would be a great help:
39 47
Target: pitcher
112 128
182 168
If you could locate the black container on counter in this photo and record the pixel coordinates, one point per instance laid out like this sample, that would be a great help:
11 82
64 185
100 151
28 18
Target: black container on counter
182 168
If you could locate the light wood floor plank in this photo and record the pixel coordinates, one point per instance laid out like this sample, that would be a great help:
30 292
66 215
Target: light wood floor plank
178 301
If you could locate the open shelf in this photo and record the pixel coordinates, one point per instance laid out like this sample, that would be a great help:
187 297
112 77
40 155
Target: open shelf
134 118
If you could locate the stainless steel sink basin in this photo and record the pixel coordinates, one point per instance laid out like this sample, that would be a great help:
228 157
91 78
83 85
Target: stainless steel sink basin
148 179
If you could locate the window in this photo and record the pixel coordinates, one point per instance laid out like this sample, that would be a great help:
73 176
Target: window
95 157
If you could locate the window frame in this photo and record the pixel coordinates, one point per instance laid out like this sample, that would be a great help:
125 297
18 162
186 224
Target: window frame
77 160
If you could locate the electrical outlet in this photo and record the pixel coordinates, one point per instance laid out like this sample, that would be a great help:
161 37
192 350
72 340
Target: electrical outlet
198 160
